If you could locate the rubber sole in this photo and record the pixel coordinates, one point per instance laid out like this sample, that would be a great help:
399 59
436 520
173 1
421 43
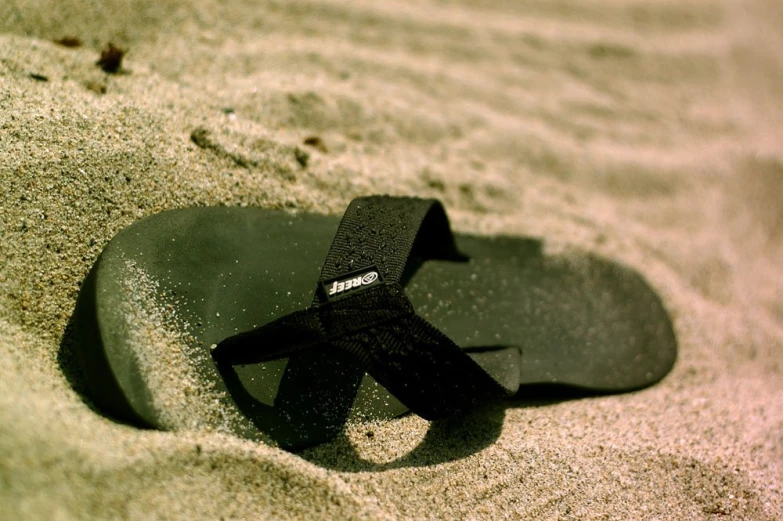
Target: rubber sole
171 285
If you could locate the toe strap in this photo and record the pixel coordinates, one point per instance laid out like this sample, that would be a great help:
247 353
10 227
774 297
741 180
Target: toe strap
361 321
411 358
423 368
316 326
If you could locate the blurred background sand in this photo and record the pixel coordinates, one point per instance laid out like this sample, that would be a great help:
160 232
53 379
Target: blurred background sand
646 132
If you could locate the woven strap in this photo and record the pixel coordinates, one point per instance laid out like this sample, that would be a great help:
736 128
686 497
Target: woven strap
362 321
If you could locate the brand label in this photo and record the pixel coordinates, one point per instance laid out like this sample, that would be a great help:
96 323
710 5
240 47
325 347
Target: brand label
360 279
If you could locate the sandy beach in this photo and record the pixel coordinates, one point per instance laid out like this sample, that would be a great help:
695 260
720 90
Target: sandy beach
650 133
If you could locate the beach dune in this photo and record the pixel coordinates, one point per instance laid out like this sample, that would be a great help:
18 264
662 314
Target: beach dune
646 132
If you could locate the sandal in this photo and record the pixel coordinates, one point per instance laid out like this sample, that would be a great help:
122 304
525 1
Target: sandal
199 318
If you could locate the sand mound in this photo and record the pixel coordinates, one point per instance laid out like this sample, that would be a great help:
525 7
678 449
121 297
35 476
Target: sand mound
646 132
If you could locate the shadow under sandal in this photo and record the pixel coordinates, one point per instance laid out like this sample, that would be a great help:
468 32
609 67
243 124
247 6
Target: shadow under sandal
405 316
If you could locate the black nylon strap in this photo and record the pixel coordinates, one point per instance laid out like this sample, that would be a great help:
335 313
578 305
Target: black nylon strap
372 321
391 233
306 329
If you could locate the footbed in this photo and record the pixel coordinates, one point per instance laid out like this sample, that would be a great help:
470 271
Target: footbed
577 319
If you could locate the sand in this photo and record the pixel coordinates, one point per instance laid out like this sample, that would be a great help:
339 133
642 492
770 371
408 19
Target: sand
646 132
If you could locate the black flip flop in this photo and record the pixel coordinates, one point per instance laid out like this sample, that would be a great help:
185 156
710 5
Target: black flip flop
167 321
